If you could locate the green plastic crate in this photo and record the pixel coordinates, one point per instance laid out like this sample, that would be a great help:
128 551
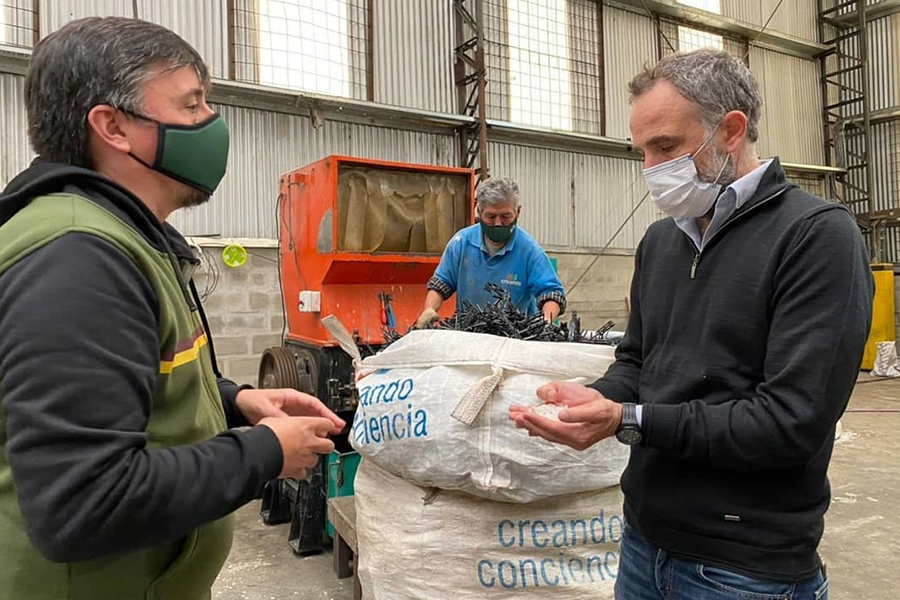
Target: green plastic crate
341 473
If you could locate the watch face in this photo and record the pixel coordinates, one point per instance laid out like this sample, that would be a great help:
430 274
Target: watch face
629 436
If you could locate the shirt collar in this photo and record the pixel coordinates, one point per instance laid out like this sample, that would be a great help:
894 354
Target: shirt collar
745 187
730 200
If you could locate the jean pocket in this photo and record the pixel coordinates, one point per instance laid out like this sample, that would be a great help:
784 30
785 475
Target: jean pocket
741 586
822 592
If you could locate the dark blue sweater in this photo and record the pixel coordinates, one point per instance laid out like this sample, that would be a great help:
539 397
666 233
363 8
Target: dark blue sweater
743 371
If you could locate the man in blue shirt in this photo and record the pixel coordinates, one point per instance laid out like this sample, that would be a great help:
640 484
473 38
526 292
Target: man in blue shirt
495 250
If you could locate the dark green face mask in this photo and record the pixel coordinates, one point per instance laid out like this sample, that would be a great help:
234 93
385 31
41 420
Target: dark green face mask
499 234
195 155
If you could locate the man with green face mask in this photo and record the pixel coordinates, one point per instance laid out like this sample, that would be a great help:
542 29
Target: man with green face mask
495 250
118 470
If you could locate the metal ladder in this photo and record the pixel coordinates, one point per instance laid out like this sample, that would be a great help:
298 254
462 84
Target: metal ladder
846 113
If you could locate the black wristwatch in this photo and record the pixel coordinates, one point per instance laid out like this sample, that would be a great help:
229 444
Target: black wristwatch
629 432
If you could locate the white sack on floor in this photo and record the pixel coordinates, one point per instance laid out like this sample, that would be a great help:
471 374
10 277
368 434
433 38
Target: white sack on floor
459 547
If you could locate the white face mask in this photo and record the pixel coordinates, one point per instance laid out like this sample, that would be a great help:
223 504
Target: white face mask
677 190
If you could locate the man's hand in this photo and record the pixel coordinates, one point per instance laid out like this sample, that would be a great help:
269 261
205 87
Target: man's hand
588 417
550 309
301 439
428 316
256 405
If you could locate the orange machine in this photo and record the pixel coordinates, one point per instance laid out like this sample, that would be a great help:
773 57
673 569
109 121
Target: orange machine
393 221
359 239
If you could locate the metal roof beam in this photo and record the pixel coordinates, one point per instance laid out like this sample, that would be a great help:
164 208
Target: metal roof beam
768 38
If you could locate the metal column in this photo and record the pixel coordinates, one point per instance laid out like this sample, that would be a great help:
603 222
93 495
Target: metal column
470 76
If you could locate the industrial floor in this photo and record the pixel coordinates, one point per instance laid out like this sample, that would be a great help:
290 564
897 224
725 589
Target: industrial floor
862 533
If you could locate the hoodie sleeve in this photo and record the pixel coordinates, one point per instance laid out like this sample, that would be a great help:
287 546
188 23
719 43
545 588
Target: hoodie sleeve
78 367
229 391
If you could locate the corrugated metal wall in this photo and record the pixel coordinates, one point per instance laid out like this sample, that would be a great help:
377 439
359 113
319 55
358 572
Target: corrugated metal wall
265 145
203 23
798 18
56 13
571 199
607 190
884 46
884 141
545 185
791 124
576 200
629 42
15 153
413 48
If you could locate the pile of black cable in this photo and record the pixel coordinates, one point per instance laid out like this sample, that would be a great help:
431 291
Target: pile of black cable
502 318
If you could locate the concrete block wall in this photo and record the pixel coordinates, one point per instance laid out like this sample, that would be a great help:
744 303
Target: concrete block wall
600 297
245 313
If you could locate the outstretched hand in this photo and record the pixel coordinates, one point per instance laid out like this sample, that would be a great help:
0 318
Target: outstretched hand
256 405
587 418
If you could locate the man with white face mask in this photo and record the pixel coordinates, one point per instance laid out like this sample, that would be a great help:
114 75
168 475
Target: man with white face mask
750 310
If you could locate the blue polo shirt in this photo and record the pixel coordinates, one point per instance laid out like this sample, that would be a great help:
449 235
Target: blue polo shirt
521 267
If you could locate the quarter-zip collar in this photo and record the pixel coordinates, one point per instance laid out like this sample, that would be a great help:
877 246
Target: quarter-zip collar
733 198
772 186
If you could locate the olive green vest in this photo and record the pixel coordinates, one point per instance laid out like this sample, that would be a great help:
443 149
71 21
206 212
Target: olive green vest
187 409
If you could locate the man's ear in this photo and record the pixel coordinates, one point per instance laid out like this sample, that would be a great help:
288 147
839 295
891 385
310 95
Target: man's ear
735 125
105 125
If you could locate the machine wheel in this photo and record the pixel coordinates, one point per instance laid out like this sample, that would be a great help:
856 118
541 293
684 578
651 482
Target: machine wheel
282 367
308 371
278 369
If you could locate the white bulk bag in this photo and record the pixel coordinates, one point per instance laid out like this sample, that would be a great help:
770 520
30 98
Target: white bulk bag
414 545
410 392
886 361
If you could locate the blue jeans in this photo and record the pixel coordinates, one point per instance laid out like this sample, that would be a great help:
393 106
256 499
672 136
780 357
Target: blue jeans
650 573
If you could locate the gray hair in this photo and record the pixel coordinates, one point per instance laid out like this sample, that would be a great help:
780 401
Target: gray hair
497 190
713 80
95 61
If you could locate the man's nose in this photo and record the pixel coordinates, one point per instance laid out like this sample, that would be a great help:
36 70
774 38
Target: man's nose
205 111
651 160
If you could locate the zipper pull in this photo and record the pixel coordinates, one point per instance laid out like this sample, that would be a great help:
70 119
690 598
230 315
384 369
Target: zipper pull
694 265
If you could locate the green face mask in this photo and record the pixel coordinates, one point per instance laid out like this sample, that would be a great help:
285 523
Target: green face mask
195 155
499 234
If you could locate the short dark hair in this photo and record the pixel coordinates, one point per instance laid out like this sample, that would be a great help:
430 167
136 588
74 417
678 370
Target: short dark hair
713 80
97 60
